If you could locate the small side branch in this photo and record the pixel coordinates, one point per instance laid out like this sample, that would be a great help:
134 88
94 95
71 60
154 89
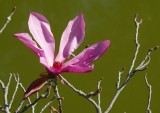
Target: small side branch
2 85
147 59
15 91
99 89
149 95
119 78
24 90
8 20
86 96
44 95
53 110
6 94
141 67
8 103
47 105
136 42
19 106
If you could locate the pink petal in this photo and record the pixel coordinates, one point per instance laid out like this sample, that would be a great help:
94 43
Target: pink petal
35 86
71 38
27 40
82 68
90 54
43 61
40 29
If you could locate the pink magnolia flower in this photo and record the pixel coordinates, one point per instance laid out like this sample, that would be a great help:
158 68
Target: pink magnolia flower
43 46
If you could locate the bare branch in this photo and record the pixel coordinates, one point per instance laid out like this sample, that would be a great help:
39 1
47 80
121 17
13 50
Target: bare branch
6 94
21 103
37 95
99 89
2 85
55 88
142 66
53 110
119 78
44 95
8 20
149 95
15 91
19 107
147 58
131 71
81 93
136 43
47 105
114 99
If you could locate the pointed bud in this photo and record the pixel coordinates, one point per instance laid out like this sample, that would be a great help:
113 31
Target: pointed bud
35 86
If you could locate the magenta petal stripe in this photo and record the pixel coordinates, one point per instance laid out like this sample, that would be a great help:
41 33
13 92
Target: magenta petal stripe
40 29
90 54
71 38
27 40
81 68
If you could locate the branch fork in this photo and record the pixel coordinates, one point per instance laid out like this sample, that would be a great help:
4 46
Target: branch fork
141 67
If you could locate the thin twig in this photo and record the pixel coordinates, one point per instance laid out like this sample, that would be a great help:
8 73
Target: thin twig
136 43
149 95
47 105
55 88
37 95
44 95
114 99
6 90
2 85
143 65
119 78
146 60
22 101
3 88
131 71
81 93
8 20
15 91
19 106
99 89
24 90
53 110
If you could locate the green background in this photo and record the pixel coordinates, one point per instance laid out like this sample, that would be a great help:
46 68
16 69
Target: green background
105 19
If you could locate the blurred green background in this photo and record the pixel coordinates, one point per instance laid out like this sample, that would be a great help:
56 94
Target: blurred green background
105 19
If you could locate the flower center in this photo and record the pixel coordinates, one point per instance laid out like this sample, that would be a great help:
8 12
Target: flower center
57 65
